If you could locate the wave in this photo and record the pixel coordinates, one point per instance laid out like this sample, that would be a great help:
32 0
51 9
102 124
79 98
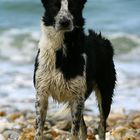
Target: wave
23 42
17 52
127 46
18 45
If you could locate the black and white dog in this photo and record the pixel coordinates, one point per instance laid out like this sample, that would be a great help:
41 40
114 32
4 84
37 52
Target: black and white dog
70 65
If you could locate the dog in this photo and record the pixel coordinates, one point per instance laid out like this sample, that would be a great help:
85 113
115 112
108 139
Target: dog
70 64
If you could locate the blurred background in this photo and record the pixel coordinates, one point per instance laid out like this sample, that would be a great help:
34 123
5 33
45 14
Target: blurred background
118 20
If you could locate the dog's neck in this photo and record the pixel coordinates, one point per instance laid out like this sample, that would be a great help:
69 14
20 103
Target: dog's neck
50 39
56 40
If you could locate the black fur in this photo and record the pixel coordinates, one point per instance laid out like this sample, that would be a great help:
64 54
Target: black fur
100 68
52 7
100 65
72 64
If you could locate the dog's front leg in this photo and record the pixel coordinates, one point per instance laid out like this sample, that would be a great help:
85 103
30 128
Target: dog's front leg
41 110
77 107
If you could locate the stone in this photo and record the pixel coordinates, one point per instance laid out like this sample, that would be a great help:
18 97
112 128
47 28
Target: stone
63 137
119 132
113 118
5 125
14 135
8 134
2 113
27 134
48 137
129 137
2 137
14 116
63 125
108 137
91 137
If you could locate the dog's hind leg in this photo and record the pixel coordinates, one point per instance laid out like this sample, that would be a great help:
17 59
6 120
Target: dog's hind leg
101 69
41 110
105 84
104 99
102 123
77 107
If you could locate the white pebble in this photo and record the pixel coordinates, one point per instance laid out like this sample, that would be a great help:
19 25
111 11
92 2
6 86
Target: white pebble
2 137
108 136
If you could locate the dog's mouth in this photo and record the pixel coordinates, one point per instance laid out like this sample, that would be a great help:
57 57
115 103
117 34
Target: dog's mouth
66 29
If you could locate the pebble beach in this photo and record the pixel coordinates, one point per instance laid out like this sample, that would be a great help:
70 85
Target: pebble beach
19 125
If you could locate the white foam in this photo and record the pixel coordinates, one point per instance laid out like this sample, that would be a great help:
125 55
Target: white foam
24 50
132 37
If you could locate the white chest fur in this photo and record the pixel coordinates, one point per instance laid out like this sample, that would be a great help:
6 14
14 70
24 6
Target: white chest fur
49 80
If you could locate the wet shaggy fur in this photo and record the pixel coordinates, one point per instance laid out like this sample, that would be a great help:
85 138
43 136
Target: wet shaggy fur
70 65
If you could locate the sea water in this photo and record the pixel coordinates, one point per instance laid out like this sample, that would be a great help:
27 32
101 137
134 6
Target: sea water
118 20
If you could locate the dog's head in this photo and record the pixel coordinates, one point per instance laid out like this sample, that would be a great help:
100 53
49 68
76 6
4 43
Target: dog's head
63 14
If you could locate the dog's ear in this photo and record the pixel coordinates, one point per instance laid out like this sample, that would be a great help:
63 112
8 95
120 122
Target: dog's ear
84 1
44 2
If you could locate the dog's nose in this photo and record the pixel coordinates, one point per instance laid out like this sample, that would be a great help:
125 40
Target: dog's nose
64 22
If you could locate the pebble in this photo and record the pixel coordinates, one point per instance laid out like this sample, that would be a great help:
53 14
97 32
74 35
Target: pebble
5 125
48 137
63 125
10 133
20 126
2 137
14 116
2 113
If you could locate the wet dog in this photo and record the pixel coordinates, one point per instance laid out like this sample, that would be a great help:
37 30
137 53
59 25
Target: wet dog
70 65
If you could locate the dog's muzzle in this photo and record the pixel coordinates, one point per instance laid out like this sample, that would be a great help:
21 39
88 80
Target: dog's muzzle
64 24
